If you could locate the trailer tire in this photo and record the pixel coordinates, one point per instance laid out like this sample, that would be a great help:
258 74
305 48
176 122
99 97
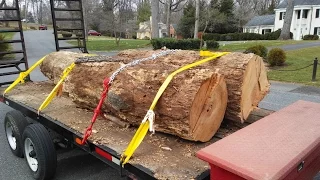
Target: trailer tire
39 152
14 124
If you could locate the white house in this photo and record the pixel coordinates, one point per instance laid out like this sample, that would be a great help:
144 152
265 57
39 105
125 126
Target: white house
305 20
145 30
260 24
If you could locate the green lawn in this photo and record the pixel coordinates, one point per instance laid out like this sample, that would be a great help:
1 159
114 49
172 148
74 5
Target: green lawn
105 44
8 36
242 45
99 38
297 59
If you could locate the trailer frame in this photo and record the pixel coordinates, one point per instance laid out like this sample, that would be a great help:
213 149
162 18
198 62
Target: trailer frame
103 153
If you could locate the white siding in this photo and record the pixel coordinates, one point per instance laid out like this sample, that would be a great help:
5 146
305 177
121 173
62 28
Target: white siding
315 22
278 23
265 28
302 26
257 29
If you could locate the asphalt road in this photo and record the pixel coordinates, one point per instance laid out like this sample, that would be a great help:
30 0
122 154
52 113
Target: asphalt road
283 94
297 46
72 165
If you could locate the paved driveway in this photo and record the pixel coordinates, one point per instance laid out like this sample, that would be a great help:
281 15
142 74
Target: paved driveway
283 94
298 46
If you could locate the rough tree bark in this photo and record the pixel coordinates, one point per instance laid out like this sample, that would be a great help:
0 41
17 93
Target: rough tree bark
196 24
168 6
155 18
2 3
285 32
193 105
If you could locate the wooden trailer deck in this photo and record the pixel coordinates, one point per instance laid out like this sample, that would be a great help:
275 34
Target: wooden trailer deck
178 163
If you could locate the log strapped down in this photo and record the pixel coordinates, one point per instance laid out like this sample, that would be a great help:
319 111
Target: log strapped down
193 105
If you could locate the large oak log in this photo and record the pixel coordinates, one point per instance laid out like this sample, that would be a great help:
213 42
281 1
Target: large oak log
193 105
245 75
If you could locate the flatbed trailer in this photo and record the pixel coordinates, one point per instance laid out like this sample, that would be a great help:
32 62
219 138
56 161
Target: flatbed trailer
160 156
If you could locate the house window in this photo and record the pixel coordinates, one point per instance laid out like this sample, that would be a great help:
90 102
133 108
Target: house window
317 13
316 31
265 31
305 13
282 15
299 14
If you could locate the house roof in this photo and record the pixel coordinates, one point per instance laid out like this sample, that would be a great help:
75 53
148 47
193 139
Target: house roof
284 3
262 20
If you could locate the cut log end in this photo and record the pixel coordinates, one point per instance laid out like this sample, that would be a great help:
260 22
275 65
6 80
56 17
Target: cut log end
254 87
208 108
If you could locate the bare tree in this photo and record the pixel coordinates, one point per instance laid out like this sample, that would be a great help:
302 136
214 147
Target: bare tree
246 9
2 3
155 18
285 32
170 7
196 24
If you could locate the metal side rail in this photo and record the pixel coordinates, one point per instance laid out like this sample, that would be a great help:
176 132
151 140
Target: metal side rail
55 20
12 66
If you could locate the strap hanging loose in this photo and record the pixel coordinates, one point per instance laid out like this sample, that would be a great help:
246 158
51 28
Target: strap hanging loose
57 88
23 75
148 121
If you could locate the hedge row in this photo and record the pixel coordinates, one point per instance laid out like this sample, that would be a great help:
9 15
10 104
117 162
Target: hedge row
259 50
310 37
3 46
184 44
275 57
243 36
212 44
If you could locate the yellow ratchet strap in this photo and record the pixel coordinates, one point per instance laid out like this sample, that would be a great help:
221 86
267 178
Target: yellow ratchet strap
207 53
55 90
23 75
144 126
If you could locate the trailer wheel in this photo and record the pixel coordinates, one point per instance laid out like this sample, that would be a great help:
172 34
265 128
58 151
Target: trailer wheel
39 151
14 124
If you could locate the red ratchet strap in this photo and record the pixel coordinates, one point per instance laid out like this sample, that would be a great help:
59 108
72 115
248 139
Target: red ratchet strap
97 111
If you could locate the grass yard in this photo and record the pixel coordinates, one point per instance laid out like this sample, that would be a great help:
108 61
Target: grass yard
99 38
242 45
8 36
25 26
297 59
110 44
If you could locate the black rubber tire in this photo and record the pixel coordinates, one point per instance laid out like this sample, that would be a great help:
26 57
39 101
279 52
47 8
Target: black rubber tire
44 150
18 122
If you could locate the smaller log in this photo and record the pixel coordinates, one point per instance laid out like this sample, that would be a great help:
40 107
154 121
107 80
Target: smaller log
56 62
